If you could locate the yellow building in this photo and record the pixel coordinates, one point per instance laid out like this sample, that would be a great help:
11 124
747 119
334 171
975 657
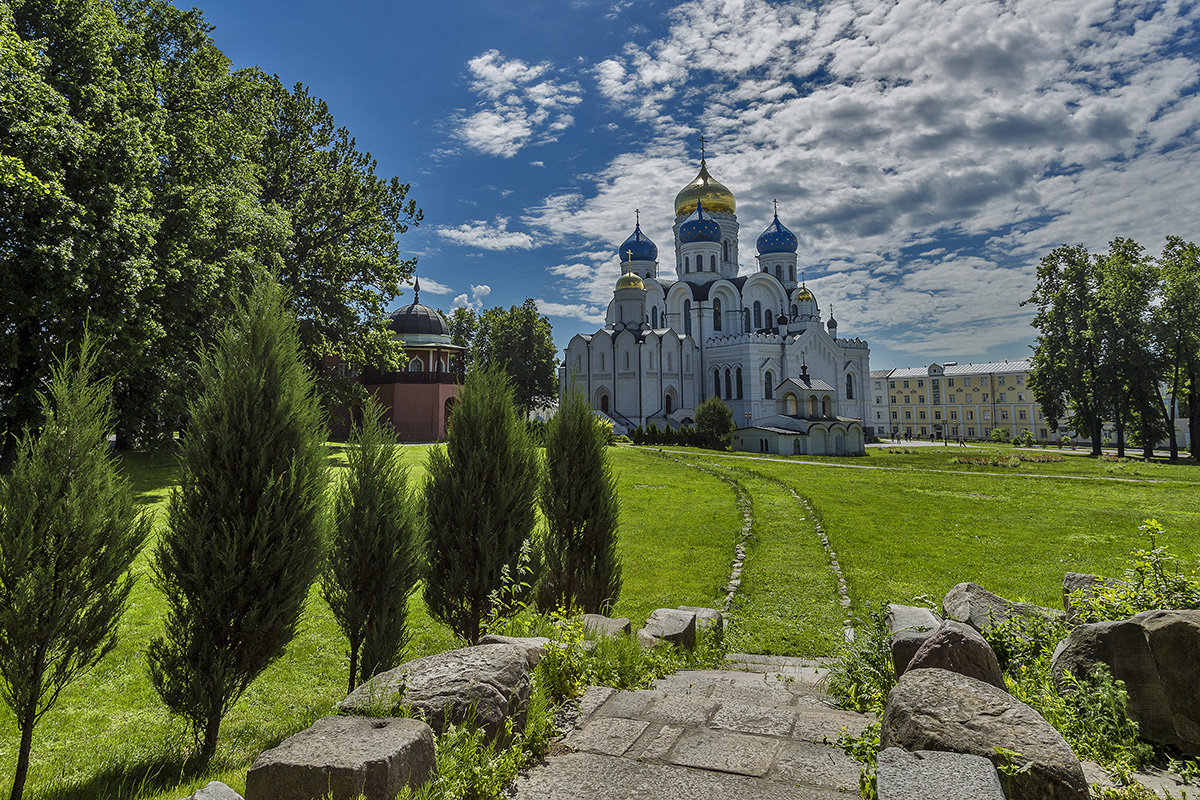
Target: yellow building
955 400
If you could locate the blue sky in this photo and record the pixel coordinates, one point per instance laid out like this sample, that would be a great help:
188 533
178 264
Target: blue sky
926 152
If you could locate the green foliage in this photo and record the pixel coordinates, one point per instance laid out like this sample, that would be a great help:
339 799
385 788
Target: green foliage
69 533
373 560
1023 641
480 496
519 342
579 502
863 674
864 749
714 423
1155 579
245 528
999 435
686 436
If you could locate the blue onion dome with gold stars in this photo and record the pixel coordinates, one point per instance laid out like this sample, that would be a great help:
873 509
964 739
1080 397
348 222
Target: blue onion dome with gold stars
776 239
638 247
699 228
707 190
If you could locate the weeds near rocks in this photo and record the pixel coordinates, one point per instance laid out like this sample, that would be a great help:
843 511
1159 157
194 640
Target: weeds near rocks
863 674
864 749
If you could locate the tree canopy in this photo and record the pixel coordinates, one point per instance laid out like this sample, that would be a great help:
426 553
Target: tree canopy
519 342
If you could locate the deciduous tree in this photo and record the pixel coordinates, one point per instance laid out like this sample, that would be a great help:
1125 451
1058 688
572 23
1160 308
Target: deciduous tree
520 342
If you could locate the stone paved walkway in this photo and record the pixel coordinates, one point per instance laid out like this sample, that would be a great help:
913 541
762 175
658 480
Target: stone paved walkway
764 731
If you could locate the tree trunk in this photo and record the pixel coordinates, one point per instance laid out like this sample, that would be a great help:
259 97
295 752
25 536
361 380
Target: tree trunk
354 643
212 731
27 722
1194 411
1120 423
1097 429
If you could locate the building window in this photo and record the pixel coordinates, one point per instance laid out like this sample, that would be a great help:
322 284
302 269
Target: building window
651 359
739 383
757 314
987 414
908 415
908 398
602 362
920 398
922 415
779 271
892 385
1002 396
971 433
769 385
949 381
895 415
920 384
1020 398
604 403
968 397
953 414
687 317
687 264
985 394
654 317
878 399
716 313
716 383
725 249
849 387
792 276
824 406
768 318
893 398
937 413
1021 414
728 384
906 384
712 263
627 361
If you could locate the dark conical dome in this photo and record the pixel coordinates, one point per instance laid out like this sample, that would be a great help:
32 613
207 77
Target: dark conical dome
699 228
416 318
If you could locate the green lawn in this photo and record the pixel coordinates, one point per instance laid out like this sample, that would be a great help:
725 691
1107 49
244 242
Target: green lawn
109 736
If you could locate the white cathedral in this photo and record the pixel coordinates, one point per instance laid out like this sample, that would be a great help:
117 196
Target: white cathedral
756 340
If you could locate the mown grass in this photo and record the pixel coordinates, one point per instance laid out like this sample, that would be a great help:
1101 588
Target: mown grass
110 737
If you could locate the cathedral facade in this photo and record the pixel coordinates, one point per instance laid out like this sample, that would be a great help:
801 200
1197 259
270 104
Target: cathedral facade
703 326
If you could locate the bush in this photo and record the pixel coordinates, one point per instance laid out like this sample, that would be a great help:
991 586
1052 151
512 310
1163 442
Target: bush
69 532
372 566
245 528
579 502
999 435
480 495
714 424
862 675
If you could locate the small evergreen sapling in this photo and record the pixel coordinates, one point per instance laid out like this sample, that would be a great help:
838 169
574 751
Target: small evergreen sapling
244 537
579 501
714 424
480 494
372 567
68 535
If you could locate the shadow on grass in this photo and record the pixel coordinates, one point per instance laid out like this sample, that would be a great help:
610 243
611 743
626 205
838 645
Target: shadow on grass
125 781
151 474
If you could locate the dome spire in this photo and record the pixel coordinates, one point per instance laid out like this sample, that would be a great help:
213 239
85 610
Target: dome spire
416 290
702 142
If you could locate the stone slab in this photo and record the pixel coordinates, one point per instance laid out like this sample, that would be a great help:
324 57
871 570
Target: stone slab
593 698
761 720
610 736
816 765
215 790
934 775
825 726
661 744
600 625
725 752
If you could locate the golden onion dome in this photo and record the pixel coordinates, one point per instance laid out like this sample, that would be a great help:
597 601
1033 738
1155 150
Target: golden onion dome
630 280
707 189
804 294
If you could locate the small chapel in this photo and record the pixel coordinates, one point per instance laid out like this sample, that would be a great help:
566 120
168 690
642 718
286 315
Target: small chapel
752 335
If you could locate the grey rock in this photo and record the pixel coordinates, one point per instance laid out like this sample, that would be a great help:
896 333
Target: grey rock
215 790
909 627
344 757
958 647
934 775
485 684
1157 655
1081 582
979 608
599 625
934 709
535 646
670 625
707 619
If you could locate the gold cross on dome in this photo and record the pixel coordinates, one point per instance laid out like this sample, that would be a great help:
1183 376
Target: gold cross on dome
629 255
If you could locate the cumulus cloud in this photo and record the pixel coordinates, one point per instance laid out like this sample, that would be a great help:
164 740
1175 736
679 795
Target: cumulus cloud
520 104
925 152
475 300
584 313
485 235
430 286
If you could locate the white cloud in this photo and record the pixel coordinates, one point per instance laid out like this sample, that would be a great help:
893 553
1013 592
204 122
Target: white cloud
975 133
584 313
486 235
519 105
430 286
475 301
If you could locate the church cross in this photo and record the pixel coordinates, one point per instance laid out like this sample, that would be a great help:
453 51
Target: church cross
776 204
638 213
702 141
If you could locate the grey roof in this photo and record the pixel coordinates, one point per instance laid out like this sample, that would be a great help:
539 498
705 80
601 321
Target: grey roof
416 318
1011 365
817 385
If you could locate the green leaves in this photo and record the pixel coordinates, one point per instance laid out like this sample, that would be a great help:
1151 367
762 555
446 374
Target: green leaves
519 341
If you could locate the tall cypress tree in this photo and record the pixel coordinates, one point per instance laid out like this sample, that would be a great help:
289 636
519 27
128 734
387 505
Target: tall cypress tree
372 566
579 501
244 537
480 494
69 532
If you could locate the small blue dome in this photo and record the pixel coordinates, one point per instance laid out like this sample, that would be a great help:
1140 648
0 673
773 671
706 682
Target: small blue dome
637 247
699 228
776 239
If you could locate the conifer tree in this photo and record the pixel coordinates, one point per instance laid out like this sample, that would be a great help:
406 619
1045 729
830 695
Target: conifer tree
579 501
714 424
69 532
480 494
372 567
244 537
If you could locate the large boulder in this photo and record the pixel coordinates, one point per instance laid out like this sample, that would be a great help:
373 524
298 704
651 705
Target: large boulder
669 625
485 684
1083 582
981 609
214 790
1157 655
535 646
957 647
933 775
343 758
934 709
599 626
909 627
707 619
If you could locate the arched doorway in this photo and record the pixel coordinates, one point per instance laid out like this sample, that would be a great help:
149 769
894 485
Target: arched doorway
668 404
604 403
789 402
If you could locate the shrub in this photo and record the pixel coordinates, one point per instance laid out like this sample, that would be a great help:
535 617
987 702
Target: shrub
69 532
714 424
579 502
999 435
862 675
372 566
480 496
245 531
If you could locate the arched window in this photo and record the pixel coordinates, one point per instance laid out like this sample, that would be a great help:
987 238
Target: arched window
779 272
757 314
627 361
687 317
824 406
667 404
716 383
812 405
668 359
789 404
716 313
768 319
728 384
794 314
739 383
621 312
769 385
578 362
725 249
712 263
415 365
654 317
602 362
745 320
792 277
604 403
849 387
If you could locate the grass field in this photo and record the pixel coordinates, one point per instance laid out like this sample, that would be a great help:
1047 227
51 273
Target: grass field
109 736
